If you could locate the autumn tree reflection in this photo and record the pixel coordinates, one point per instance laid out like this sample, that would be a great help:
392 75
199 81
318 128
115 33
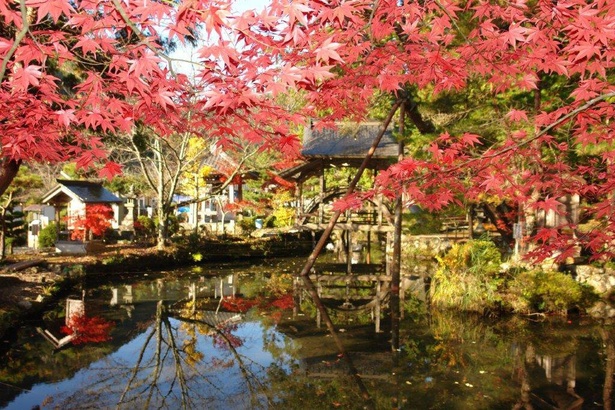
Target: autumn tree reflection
172 367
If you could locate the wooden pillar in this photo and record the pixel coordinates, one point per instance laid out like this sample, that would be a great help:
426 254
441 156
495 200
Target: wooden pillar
396 257
323 189
368 257
318 312
377 308
379 210
471 222
370 223
296 299
299 196
348 251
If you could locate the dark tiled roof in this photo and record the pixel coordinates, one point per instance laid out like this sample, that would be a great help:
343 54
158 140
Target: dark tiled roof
348 141
89 192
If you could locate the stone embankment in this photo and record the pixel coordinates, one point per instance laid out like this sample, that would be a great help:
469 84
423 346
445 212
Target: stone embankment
602 280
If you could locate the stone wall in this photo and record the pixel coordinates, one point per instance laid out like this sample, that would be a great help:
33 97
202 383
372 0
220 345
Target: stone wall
602 280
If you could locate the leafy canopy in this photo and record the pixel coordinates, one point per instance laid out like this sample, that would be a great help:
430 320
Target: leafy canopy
72 73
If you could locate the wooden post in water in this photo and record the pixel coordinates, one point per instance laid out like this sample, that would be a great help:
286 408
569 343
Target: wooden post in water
396 258
377 314
348 250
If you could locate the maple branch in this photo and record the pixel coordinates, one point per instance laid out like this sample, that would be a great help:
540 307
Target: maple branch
142 164
453 20
515 146
550 127
371 17
19 36
181 164
412 109
144 39
236 170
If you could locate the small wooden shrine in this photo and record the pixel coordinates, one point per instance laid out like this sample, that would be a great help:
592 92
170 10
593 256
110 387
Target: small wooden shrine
342 147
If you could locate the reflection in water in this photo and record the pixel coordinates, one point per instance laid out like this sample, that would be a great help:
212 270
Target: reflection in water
176 345
608 342
170 357
556 380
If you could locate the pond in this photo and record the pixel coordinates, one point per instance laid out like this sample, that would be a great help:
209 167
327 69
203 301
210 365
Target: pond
202 338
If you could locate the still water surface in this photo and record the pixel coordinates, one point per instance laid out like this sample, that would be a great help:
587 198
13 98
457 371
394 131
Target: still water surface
181 339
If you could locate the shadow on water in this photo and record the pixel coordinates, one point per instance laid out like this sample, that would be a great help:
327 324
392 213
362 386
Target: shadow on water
198 340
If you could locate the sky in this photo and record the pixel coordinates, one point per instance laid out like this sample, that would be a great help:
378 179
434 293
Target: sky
250 4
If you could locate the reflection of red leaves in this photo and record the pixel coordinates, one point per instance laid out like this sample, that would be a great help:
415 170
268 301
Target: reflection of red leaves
88 329
238 304
284 302
243 305
221 364
225 339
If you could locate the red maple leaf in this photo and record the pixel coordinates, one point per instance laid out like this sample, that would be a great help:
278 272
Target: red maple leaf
110 170
27 76
54 8
348 202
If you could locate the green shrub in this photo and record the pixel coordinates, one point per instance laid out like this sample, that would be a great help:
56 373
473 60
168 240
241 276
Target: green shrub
48 236
145 227
468 277
546 291
283 217
247 224
422 223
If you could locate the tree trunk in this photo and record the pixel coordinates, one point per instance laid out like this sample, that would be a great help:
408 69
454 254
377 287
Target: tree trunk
494 217
3 233
8 170
161 226
161 209
7 174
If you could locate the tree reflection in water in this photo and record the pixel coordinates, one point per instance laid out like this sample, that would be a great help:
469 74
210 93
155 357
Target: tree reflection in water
183 355
163 379
187 358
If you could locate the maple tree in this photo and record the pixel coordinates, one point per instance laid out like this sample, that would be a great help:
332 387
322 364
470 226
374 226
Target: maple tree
550 62
95 222
72 73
